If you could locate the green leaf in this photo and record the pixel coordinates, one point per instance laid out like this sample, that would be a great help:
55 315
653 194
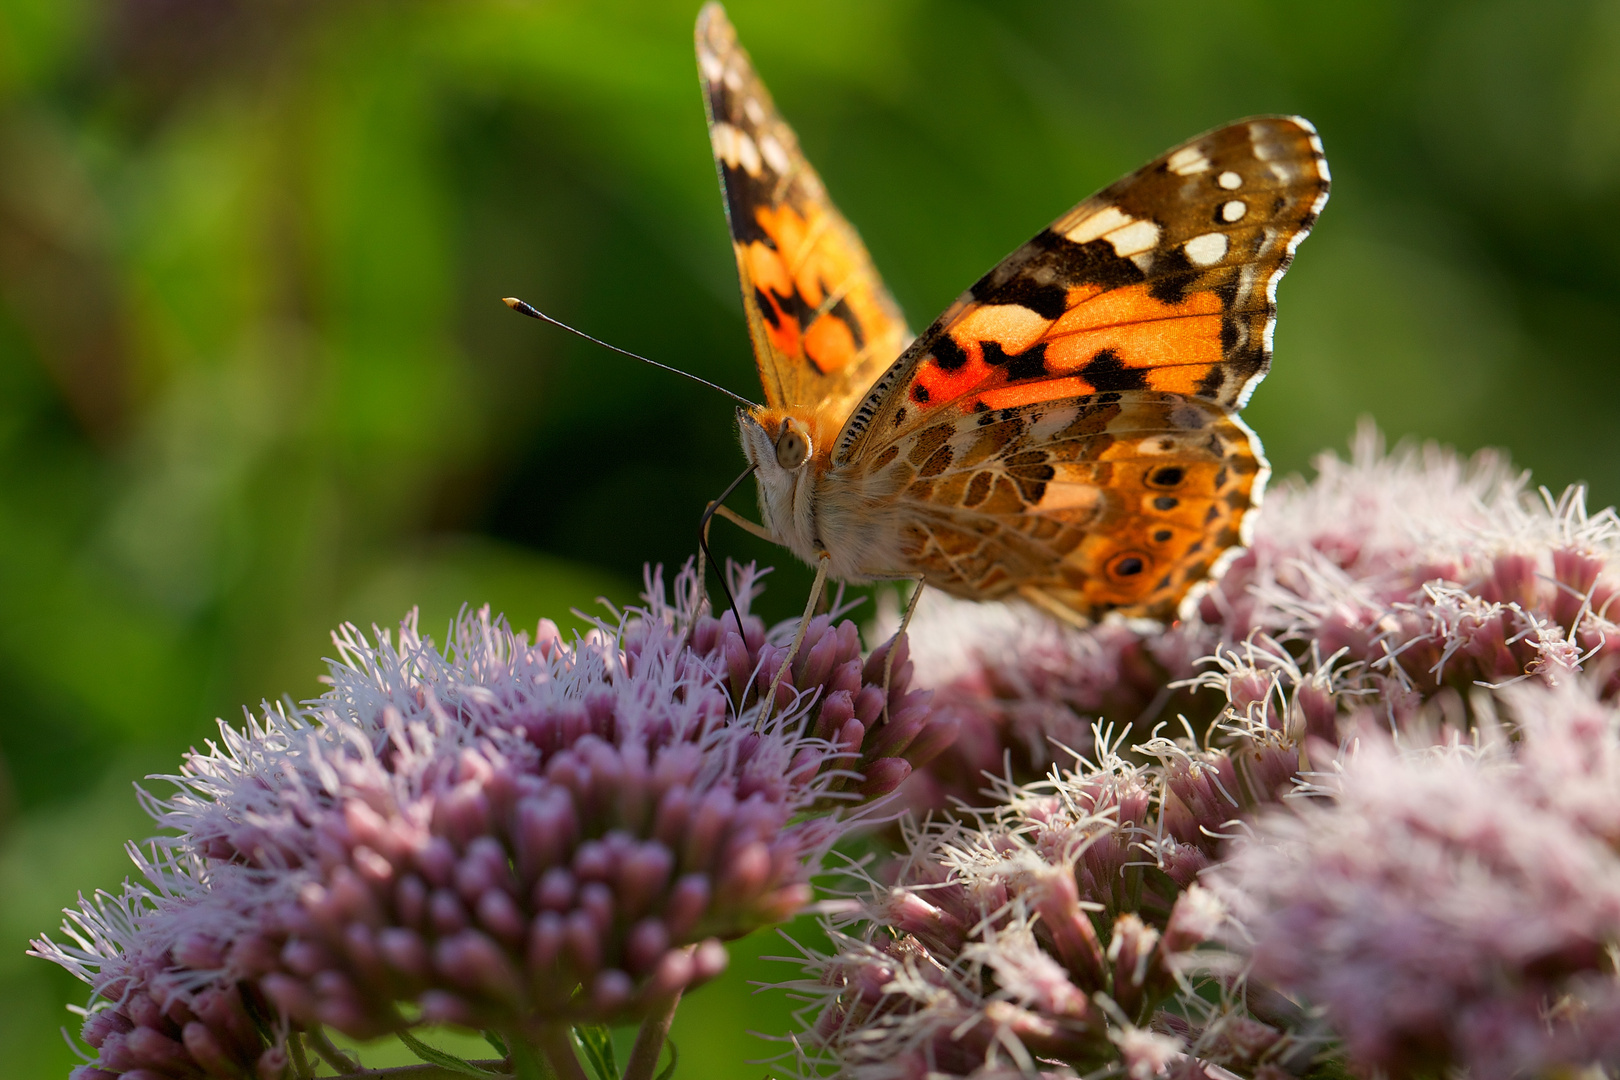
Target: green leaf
597 1042
526 1064
496 1041
434 1056
669 1070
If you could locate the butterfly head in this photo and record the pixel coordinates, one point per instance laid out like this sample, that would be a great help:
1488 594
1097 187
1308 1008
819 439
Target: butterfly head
782 447
777 441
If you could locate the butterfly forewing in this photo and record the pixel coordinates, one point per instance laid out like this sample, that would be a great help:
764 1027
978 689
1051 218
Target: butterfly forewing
1165 280
822 322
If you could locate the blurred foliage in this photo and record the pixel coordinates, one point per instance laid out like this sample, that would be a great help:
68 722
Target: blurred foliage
255 379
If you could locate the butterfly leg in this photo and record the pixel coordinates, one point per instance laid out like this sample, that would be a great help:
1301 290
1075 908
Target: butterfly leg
894 643
798 638
744 524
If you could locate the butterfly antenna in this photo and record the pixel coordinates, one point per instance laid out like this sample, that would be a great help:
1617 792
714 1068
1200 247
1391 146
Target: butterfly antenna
703 542
522 307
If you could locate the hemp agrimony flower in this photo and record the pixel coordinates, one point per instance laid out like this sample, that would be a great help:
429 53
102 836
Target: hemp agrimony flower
512 834
1454 905
1360 812
1034 938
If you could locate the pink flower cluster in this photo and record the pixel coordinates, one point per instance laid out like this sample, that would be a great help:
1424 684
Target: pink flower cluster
1455 905
1423 572
508 835
1058 933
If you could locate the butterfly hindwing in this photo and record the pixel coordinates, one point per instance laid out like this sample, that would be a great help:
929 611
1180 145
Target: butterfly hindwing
1114 501
823 325
1165 280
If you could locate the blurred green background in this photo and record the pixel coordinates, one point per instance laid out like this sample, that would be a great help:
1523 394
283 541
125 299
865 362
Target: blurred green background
255 379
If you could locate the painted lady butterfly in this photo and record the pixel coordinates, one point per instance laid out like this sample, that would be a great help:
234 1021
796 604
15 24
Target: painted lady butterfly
1067 430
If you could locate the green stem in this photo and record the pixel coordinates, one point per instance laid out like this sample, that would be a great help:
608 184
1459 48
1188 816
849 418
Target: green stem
650 1040
300 1063
343 1063
558 1049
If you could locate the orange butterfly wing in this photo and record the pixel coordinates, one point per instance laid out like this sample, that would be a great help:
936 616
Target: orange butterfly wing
823 325
1067 428
1164 280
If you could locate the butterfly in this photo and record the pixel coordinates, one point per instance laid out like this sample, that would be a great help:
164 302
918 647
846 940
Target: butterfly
1067 431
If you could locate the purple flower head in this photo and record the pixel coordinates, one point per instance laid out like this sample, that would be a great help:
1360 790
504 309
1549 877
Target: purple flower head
1453 906
507 834
1026 688
1424 572
1043 936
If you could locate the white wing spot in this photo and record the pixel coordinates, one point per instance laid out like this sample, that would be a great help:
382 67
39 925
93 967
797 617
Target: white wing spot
747 154
1187 161
735 148
1229 180
724 139
774 155
1139 236
754 111
1267 144
1103 221
1129 236
711 65
1234 210
1206 250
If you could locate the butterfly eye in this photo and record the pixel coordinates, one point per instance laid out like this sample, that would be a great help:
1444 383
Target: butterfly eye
792 446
